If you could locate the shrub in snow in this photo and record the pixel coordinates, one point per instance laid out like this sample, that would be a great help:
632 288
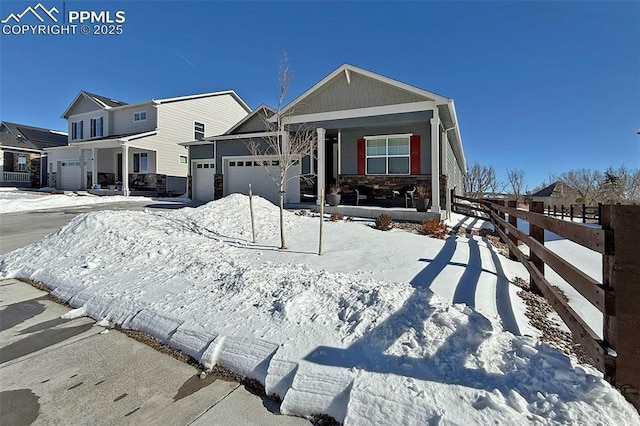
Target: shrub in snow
434 228
383 222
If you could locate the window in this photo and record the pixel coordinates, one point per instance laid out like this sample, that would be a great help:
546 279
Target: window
387 155
96 127
76 130
183 159
22 163
140 163
140 116
198 131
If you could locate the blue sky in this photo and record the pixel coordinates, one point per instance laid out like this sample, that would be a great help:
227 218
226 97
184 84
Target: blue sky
540 86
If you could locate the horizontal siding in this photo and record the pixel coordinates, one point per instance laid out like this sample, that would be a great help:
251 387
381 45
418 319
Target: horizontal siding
362 92
86 124
122 120
84 105
176 121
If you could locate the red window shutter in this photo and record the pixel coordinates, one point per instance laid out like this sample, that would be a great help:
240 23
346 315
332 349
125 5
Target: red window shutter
414 149
361 156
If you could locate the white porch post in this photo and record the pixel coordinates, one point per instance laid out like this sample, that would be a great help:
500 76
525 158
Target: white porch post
445 166
321 160
125 170
83 171
1 165
435 162
94 167
339 153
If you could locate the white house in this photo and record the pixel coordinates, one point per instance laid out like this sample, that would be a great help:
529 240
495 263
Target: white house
104 131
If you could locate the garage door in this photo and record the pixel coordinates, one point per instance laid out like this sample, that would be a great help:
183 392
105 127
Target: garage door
69 175
203 175
240 173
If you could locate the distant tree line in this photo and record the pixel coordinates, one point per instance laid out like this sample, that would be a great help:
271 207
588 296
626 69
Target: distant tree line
621 185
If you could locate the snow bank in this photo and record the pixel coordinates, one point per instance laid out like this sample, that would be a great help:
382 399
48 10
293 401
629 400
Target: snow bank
343 343
14 201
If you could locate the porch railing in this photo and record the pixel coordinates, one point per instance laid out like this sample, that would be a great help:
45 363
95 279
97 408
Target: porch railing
17 177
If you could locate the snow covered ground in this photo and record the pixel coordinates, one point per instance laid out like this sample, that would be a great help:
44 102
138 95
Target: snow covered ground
366 333
13 200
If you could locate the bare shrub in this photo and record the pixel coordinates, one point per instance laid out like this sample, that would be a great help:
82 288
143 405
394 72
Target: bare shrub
433 228
384 222
336 217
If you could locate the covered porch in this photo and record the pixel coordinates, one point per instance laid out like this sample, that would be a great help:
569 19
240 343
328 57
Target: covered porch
21 167
120 167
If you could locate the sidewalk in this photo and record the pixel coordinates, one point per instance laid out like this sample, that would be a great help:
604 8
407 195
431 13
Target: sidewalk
70 371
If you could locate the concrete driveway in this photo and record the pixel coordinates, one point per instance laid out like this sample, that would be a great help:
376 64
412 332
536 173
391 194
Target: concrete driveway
70 371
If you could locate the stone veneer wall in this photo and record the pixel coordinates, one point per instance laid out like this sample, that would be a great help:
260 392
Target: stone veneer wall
383 185
218 186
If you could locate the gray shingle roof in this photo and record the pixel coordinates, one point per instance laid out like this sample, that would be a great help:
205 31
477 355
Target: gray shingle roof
30 137
546 192
105 100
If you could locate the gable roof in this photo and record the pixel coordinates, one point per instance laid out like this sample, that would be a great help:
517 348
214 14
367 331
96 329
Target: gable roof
204 95
30 137
101 101
348 68
263 108
550 190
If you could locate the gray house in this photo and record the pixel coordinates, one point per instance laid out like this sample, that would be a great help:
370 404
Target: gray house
372 132
557 194
22 152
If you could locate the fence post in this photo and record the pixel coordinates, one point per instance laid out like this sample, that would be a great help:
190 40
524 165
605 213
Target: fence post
554 211
501 214
571 212
513 221
562 211
621 274
584 213
599 213
536 233
549 210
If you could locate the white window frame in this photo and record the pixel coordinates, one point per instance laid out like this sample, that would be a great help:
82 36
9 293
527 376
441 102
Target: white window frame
140 116
140 169
386 156
94 127
197 132
22 167
76 130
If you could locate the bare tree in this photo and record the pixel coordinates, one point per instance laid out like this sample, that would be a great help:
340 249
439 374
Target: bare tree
516 181
619 185
287 143
586 182
480 179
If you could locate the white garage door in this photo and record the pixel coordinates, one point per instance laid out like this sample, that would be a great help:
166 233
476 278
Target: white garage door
240 173
203 175
69 175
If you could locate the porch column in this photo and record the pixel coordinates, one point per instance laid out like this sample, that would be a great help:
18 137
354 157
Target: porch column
445 165
83 171
125 170
1 165
321 159
435 162
94 167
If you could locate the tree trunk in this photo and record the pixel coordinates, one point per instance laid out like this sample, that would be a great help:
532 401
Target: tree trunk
283 245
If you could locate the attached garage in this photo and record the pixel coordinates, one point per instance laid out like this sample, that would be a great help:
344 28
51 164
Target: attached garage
203 179
69 175
240 172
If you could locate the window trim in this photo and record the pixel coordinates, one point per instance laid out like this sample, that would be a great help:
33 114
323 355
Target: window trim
22 167
386 156
139 115
181 157
77 127
94 127
139 156
196 132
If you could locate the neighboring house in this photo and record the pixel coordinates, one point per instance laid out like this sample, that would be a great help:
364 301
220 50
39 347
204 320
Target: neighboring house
556 194
372 131
135 146
22 149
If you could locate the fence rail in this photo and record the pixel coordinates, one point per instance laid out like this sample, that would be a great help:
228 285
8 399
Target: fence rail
616 297
16 177
587 214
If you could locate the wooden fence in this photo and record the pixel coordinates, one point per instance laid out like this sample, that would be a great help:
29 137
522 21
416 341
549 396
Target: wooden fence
617 297
587 214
